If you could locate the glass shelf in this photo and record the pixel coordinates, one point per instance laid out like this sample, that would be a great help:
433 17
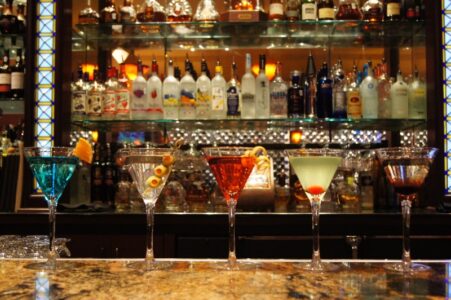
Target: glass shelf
261 124
264 34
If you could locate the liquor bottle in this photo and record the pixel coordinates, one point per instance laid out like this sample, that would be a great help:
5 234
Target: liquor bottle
417 97
8 20
109 13
248 91
399 94
21 19
179 11
95 97
309 10
171 94
110 95
97 190
369 95
88 15
324 94
278 95
17 77
383 88
373 10
79 95
109 176
353 103
339 92
139 103
295 96
392 10
203 93
154 86
5 76
187 109
127 12
151 11
233 95
292 10
326 10
206 12
348 10
262 91
276 10
218 94
123 95
310 87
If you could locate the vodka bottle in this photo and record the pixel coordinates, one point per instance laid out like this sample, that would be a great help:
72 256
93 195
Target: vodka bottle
203 93
278 95
171 94
154 86
384 86
324 93
399 94
187 109
417 98
123 95
218 94
369 95
110 96
95 97
295 96
79 96
248 91
339 92
140 100
233 95
353 101
262 91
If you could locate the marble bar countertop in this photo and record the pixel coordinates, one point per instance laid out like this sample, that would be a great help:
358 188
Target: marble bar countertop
191 280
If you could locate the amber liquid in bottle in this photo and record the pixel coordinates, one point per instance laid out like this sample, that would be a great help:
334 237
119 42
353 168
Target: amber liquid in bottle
348 10
392 10
373 11
326 10
276 12
244 4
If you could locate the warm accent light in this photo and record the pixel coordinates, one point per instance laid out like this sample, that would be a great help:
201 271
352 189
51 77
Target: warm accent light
270 70
94 136
131 71
295 136
89 68
119 55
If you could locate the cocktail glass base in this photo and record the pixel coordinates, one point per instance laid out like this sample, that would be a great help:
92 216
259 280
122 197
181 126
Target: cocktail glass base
149 266
409 269
319 267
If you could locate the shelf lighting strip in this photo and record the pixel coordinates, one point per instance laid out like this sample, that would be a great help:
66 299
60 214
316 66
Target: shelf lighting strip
44 95
446 64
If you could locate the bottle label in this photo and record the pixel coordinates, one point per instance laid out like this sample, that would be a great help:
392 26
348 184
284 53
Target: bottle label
354 105
5 82
170 100
109 102
217 99
276 9
326 13
17 80
278 104
340 102
393 9
417 104
94 103
295 105
123 102
292 11
187 98
233 100
79 102
202 97
309 11
155 100
139 102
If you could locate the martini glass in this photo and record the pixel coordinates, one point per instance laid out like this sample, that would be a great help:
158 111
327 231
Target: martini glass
143 165
52 167
406 169
231 169
315 169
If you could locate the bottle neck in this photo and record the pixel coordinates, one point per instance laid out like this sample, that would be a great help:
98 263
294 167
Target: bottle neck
248 63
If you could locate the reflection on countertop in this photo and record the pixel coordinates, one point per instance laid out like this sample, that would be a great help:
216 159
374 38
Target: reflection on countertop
111 279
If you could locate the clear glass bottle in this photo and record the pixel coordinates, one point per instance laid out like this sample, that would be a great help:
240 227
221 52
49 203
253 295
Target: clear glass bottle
171 94
339 92
373 10
278 95
353 101
218 94
88 15
110 96
154 86
348 10
179 11
206 12
139 103
187 108
79 96
122 197
248 91
369 95
109 13
233 94
262 91
123 95
203 93
417 97
399 94
384 86
309 10
95 97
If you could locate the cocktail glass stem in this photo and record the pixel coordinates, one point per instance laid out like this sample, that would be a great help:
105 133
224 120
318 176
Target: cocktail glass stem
52 220
316 206
406 203
232 249
150 259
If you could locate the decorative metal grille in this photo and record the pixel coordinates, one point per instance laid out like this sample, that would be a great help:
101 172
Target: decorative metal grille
446 65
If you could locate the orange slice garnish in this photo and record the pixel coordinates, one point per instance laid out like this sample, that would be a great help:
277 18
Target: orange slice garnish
83 150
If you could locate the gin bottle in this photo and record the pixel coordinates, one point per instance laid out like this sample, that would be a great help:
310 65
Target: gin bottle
187 108
262 91
203 93
139 101
399 94
278 95
154 86
369 95
171 94
417 98
218 94
248 91
233 95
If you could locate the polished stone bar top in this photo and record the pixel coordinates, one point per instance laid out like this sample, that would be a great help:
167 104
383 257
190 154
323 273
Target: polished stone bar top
274 279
